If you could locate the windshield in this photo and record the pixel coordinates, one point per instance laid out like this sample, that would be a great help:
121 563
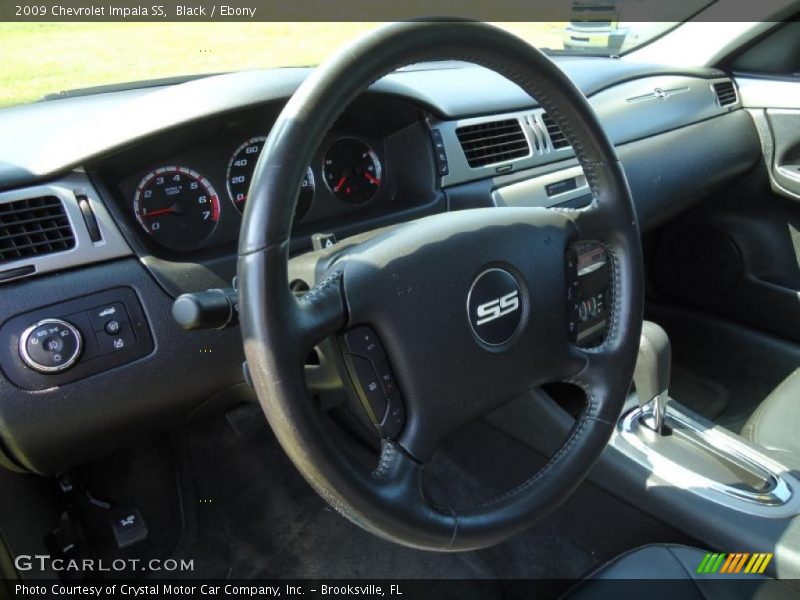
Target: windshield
45 59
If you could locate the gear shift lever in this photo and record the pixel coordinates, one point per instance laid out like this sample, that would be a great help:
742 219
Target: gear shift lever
652 372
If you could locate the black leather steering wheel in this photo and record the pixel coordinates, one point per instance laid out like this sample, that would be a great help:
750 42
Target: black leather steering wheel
411 285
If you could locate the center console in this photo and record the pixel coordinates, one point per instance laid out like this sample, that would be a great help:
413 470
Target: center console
726 493
692 453
705 459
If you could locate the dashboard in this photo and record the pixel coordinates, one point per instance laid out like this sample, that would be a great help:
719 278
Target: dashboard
139 195
182 196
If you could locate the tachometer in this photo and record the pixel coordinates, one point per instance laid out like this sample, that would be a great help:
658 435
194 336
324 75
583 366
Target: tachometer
352 171
177 207
240 173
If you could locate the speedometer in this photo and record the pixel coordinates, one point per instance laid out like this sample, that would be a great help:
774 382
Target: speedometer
177 207
240 174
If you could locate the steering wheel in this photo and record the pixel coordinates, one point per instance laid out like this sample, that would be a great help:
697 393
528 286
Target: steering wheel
415 286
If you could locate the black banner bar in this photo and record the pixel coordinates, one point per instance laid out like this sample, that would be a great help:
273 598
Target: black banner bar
380 10
744 586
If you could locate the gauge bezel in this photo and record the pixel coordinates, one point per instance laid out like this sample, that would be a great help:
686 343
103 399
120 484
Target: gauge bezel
216 205
263 139
258 138
381 169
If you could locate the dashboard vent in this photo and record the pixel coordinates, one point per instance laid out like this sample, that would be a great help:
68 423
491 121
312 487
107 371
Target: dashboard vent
557 137
726 93
34 227
494 142
539 135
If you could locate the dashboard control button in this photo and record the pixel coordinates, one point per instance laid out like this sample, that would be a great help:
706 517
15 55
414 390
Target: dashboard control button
123 339
369 388
102 315
362 341
50 345
321 241
440 152
112 327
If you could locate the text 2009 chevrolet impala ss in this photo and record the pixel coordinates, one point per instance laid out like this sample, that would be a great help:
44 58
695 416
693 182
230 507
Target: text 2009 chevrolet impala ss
512 314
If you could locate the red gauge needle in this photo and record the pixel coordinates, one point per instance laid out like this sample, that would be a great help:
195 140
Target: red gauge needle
160 211
339 185
372 179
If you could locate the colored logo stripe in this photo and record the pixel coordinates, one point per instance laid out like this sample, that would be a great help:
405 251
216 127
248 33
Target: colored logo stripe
734 562
758 564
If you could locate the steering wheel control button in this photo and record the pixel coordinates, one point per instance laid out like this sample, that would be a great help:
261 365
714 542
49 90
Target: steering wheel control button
373 381
588 286
386 378
495 307
50 345
369 388
124 338
395 417
102 315
362 341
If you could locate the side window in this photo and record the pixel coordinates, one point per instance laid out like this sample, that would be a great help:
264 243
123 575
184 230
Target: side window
777 54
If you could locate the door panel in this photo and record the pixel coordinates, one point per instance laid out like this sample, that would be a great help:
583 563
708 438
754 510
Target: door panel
778 128
784 126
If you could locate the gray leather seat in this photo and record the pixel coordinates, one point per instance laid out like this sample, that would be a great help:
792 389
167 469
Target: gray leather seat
776 422
674 567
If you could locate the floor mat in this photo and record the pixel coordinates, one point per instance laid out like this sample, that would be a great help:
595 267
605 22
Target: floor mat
255 517
251 515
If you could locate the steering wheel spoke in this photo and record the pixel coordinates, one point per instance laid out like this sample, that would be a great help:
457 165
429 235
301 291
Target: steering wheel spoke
321 312
591 222
608 219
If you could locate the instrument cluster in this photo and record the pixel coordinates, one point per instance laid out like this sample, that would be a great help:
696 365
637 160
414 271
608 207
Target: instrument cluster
181 205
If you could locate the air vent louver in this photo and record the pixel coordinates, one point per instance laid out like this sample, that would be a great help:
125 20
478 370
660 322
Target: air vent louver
33 227
557 138
494 142
726 93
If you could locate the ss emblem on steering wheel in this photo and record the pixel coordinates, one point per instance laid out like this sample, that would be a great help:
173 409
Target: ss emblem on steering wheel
495 308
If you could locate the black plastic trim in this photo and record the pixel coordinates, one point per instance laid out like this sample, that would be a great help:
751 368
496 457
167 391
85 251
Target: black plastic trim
48 430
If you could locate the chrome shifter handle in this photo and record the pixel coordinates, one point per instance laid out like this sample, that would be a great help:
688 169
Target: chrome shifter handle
652 373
